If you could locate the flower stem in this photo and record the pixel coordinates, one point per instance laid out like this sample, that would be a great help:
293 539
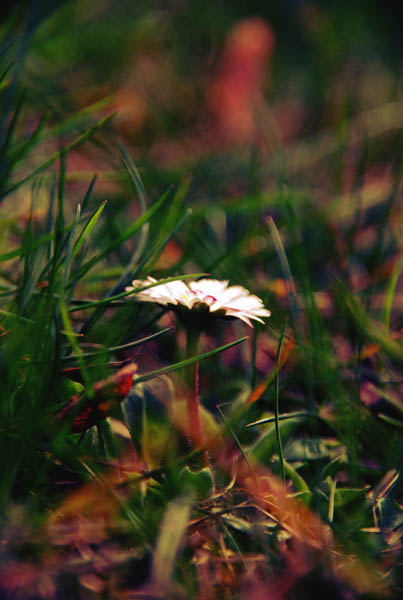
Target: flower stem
192 399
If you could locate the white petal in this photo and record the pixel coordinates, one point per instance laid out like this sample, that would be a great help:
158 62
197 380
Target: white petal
229 297
239 315
209 287
235 300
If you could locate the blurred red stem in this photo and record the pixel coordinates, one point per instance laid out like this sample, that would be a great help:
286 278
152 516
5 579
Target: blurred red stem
195 430
194 422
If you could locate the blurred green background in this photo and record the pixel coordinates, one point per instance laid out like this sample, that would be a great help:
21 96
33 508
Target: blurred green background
258 142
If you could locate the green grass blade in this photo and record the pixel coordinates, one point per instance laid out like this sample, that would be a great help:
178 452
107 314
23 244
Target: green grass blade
11 128
300 485
157 250
101 351
389 295
277 399
187 362
128 233
71 247
79 141
72 122
110 299
71 336
134 176
285 267
50 217
88 193
22 150
4 74
32 245
370 328
59 225
283 417
138 186
89 226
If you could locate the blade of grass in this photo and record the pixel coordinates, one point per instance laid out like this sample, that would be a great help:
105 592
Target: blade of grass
187 362
32 245
88 193
139 189
283 417
277 399
285 267
259 390
332 490
253 375
156 251
75 144
74 121
370 328
129 232
170 540
109 299
133 175
50 217
230 429
71 336
389 294
21 150
4 74
121 347
70 248
25 285
11 128
57 257
299 482
89 226
174 220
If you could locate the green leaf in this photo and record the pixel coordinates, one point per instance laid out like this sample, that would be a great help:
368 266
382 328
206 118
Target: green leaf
201 482
171 536
65 390
299 482
344 496
240 524
106 439
314 449
267 444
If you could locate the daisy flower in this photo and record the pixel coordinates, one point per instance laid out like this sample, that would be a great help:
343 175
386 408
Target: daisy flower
211 295
197 303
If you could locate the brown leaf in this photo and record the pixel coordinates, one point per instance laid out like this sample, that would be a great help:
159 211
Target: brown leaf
108 393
